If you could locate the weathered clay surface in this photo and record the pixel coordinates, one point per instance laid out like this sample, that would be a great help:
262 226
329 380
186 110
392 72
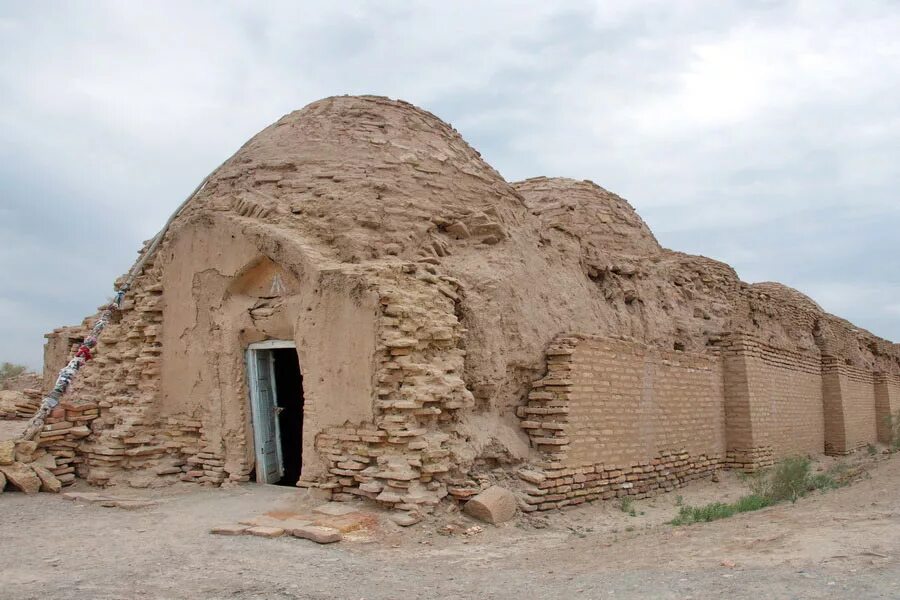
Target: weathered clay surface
422 291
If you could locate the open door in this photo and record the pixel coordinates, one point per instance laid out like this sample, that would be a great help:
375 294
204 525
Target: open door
266 436
276 400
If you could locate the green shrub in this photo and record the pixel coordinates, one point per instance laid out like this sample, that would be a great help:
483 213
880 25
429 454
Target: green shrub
893 422
790 479
10 370
719 510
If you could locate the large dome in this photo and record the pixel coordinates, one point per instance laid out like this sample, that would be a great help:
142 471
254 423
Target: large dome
365 176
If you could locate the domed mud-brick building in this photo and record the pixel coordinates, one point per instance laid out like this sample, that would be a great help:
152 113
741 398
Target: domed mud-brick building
357 302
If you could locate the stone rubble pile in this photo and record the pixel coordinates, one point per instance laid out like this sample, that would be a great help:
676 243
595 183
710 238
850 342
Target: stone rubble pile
19 404
28 468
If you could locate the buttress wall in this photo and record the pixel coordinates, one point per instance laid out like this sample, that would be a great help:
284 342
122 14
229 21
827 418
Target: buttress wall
773 402
615 417
849 402
887 405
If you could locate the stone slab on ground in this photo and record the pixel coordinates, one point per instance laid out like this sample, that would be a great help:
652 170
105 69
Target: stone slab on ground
21 477
49 482
335 509
134 504
317 534
85 496
267 532
228 530
494 505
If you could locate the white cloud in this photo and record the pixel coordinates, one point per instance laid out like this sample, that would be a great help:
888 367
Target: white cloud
751 132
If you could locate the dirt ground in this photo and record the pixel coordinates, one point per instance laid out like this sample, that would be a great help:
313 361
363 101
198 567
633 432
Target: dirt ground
837 544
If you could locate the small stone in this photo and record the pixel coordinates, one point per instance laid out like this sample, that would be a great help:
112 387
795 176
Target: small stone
267 532
7 452
317 534
493 505
405 519
2 482
25 450
49 482
728 563
228 530
21 477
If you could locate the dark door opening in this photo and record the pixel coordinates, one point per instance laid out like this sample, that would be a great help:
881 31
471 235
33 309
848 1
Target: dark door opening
289 403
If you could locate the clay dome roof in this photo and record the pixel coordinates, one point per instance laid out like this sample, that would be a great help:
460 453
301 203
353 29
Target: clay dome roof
587 211
787 295
364 175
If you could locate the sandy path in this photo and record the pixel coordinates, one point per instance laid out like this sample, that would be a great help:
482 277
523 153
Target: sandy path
843 544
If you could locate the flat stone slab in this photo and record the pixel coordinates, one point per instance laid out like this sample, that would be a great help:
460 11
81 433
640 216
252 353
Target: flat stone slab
229 530
335 509
266 532
85 496
49 482
135 504
317 534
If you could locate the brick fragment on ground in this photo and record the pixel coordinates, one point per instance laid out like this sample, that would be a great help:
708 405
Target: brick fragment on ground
229 530
318 534
267 532
493 505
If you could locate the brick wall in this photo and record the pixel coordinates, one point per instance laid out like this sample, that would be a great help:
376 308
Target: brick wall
887 403
773 402
629 402
615 418
849 403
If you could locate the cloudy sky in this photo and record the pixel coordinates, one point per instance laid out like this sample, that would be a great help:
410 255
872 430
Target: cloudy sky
765 134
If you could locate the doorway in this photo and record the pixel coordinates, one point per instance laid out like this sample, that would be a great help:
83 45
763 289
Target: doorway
276 399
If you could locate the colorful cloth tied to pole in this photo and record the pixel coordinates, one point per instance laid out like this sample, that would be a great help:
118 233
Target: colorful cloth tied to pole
67 374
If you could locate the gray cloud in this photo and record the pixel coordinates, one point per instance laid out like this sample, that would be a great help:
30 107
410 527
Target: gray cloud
760 133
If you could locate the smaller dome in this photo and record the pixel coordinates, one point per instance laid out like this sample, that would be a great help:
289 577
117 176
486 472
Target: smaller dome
787 295
594 215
